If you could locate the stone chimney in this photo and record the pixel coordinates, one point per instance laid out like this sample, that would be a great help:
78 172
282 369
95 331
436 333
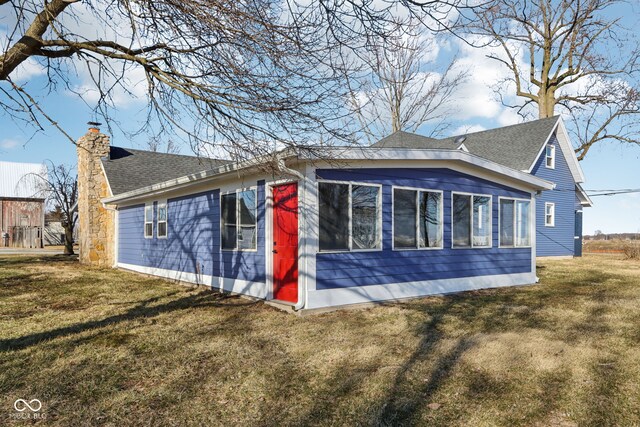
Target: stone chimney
96 224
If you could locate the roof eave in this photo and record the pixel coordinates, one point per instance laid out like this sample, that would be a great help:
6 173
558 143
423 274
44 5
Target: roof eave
585 200
187 180
433 154
528 180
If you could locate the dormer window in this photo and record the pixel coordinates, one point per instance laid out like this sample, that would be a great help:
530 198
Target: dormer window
551 156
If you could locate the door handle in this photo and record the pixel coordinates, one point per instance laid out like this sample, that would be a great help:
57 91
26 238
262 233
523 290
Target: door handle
274 251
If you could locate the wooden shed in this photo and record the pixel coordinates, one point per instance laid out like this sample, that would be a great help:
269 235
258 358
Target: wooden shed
21 204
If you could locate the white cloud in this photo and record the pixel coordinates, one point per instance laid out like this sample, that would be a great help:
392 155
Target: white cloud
479 96
464 129
509 116
29 69
132 89
8 144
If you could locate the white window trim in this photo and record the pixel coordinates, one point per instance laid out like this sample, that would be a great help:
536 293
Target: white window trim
236 192
147 220
553 214
393 209
166 221
552 157
472 246
531 230
350 239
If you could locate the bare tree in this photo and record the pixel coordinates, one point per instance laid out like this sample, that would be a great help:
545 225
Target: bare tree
241 74
572 56
408 85
156 144
60 188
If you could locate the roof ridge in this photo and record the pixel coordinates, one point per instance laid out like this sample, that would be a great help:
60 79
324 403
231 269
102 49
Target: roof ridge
556 117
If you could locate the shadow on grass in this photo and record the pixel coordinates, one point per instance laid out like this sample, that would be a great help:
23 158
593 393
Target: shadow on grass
142 310
28 260
403 402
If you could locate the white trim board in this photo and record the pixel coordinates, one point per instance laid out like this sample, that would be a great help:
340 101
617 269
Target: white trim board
244 287
393 291
346 296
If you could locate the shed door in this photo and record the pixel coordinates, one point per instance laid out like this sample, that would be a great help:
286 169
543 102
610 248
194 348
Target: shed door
285 242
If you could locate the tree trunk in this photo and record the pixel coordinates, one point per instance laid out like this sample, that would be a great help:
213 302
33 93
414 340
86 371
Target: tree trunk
546 103
68 239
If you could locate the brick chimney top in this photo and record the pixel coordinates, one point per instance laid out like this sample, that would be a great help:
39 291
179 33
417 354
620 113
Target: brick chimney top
94 127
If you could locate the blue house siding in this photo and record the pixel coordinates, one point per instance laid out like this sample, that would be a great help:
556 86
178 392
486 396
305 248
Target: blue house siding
559 239
351 269
193 239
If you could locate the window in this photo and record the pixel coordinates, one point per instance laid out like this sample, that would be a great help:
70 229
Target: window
148 220
550 156
549 214
471 215
238 220
417 219
349 217
515 223
162 219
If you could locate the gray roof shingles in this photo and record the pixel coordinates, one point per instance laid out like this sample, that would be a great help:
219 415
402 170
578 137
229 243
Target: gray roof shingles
128 169
515 146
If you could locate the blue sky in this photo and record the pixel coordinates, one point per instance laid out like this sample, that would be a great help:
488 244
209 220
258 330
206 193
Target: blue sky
607 166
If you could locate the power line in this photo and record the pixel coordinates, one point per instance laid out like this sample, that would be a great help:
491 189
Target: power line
614 192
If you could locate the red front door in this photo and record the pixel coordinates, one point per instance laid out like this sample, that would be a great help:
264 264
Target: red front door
285 242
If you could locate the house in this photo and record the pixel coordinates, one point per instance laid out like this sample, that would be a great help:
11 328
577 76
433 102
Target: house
407 217
21 204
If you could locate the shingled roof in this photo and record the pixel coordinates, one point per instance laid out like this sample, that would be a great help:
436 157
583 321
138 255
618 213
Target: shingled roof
403 139
515 146
128 169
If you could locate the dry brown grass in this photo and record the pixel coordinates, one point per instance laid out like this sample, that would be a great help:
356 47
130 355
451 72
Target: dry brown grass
103 347
614 245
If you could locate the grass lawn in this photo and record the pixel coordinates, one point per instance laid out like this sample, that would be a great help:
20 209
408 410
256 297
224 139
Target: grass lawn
104 347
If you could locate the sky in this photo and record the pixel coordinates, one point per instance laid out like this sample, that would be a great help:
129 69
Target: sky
607 166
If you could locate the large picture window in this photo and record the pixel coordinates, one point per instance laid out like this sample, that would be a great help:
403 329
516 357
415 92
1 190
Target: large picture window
471 216
148 220
417 219
349 217
238 220
515 223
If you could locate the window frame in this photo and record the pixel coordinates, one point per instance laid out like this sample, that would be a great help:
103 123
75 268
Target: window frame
551 157
350 212
393 210
515 221
472 246
553 214
237 192
166 221
147 221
